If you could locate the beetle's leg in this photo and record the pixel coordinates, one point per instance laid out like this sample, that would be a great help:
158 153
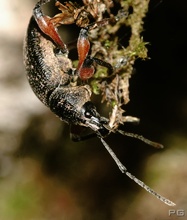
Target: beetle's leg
105 64
83 46
85 69
47 26
77 131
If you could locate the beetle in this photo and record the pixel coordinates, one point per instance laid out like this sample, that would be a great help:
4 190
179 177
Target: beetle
50 74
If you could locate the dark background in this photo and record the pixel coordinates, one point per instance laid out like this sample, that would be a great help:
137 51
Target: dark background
44 175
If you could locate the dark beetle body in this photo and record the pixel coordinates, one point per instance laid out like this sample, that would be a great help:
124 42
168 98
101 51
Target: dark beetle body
50 73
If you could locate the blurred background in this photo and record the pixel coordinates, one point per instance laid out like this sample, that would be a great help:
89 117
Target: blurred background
45 176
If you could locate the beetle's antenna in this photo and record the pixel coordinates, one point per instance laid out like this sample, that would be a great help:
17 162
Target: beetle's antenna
139 182
140 137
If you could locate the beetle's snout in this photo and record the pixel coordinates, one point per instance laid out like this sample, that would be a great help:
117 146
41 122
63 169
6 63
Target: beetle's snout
93 119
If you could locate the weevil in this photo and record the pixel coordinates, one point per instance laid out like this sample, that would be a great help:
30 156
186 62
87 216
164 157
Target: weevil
50 73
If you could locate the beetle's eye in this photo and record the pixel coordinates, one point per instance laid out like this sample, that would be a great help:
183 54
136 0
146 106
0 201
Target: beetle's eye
87 114
89 110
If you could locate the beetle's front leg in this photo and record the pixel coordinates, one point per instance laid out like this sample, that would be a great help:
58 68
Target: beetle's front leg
47 26
77 133
85 69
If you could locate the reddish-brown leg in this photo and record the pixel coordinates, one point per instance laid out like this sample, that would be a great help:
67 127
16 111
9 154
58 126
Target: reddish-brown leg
48 27
85 69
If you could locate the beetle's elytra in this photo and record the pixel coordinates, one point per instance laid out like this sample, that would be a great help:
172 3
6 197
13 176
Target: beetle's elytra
50 74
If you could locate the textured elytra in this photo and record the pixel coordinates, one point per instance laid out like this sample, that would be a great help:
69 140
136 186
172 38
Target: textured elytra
48 76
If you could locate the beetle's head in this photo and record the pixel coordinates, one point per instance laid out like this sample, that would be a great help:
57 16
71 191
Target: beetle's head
94 121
